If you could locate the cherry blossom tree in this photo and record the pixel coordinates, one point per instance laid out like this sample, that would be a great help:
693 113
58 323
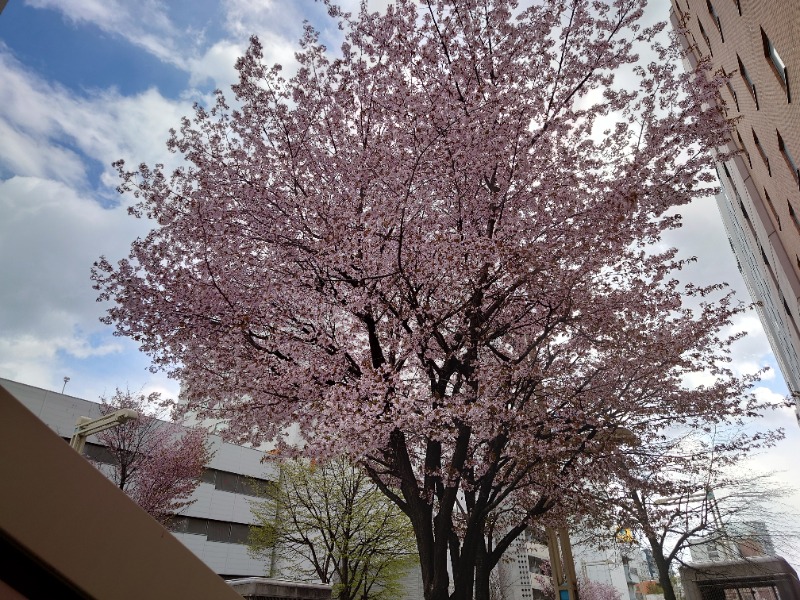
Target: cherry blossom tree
429 251
157 463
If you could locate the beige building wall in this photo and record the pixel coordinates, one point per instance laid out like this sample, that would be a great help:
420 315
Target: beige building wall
757 44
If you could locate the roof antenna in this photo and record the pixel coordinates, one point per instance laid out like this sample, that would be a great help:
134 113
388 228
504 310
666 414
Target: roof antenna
66 380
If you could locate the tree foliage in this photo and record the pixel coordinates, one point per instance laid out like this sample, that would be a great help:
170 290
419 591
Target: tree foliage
330 523
428 251
158 464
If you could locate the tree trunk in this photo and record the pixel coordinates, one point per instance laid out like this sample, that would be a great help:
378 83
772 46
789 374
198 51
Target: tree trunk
483 571
663 568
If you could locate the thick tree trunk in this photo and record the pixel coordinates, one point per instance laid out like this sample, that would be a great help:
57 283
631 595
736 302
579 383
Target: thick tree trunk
663 568
483 571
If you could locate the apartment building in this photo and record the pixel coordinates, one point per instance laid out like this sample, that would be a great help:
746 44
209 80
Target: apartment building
754 43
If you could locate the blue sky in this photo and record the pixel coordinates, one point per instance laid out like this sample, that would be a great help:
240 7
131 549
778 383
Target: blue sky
86 82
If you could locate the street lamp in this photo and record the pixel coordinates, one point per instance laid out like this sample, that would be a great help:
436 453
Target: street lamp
86 426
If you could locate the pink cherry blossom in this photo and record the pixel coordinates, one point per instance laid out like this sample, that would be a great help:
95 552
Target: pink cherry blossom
423 252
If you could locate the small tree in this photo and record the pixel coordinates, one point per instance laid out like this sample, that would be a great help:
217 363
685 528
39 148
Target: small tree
158 464
685 495
331 523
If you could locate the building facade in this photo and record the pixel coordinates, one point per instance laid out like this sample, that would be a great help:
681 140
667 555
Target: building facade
754 44
215 527
523 573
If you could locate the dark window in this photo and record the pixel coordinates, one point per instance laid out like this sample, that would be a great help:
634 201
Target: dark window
764 256
772 208
793 215
715 16
239 533
744 149
790 162
219 531
705 37
237 484
738 6
209 476
761 151
100 454
731 91
744 211
776 62
748 82
227 482
190 525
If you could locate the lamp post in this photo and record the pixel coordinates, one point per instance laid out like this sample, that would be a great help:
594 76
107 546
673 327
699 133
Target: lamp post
86 426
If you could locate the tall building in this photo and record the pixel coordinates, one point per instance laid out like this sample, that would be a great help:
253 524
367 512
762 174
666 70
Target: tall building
755 45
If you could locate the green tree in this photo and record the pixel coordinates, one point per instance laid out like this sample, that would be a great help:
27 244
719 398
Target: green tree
330 522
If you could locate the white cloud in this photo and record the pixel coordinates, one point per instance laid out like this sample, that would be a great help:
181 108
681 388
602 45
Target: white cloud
54 226
45 127
278 26
144 23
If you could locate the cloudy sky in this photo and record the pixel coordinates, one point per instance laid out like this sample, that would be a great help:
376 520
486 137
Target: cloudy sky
86 82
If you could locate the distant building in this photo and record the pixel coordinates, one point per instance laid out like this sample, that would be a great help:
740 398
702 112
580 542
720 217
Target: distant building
520 575
748 539
621 566
756 44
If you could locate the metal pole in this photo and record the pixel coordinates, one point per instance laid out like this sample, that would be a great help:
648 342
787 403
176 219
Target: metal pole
565 583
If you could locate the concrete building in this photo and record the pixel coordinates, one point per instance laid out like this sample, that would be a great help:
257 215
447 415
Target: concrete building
621 566
755 44
745 539
216 526
519 573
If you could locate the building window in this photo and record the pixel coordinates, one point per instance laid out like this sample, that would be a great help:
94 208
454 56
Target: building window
790 162
744 210
747 81
772 209
793 215
744 150
212 530
738 4
705 37
238 484
715 16
761 151
731 91
777 64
